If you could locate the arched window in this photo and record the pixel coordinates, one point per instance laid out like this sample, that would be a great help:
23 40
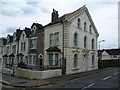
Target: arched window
93 43
90 29
85 26
75 60
85 42
75 39
93 60
78 22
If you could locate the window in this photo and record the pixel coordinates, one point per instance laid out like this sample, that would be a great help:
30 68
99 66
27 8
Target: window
23 36
34 28
56 59
85 26
54 39
93 60
93 44
78 22
4 60
90 29
0 60
85 42
23 46
32 59
75 39
34 43
14 49
7 50
50 59
75 60
53 59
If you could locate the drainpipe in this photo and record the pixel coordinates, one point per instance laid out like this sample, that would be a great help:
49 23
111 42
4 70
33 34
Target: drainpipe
63 58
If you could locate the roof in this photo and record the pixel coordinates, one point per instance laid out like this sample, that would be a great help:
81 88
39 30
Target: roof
113 51
11 55
71 15
4 41
57 21
5 55
27 31
38 25
18 33
20 54
32 51
53 49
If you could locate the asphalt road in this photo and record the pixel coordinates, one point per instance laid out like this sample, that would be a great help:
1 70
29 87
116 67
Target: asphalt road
107 79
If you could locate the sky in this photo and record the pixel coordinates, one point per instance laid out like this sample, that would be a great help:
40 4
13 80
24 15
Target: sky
22 13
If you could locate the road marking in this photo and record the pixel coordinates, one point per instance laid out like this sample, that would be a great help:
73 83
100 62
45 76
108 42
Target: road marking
88 86
116 73
106 78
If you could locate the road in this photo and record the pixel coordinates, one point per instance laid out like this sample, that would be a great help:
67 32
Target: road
104 79
107 79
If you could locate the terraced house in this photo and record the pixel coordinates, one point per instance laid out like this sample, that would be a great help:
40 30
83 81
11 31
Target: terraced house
67 43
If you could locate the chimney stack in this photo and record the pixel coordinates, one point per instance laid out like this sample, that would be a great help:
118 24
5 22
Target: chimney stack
55 15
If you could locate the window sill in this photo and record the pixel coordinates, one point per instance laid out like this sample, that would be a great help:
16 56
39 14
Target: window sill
75 68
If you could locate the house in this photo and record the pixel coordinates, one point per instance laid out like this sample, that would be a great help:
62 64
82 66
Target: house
24 40
71 42
36 46
7 59
109 57
2 43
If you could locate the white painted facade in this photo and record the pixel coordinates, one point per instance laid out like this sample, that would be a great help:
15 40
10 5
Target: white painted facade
23 39
84 59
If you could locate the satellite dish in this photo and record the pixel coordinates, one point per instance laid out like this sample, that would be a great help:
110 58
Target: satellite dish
40 56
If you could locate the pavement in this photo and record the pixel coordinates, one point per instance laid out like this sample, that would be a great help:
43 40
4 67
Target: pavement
26 83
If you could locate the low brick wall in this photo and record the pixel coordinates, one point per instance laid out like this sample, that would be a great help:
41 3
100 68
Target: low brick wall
7 71
31 74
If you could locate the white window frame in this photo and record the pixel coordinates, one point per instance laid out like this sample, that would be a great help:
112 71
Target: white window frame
75 62
75 39
33 43
33 62
53 60
54 39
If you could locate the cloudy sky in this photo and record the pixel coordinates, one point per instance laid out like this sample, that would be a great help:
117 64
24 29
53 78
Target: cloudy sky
22 13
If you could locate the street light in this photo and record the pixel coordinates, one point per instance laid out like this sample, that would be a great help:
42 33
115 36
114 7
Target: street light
100 42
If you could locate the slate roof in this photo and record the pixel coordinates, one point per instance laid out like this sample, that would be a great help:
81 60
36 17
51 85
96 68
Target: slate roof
110 51
5 55
27 31
18 33
4 41
20 54
38 25
62 18
113 51
11 55
53 49
32 51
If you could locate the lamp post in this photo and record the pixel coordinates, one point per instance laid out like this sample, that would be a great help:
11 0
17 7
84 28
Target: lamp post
100 42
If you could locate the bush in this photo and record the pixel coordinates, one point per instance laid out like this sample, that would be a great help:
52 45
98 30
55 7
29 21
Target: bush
22 64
